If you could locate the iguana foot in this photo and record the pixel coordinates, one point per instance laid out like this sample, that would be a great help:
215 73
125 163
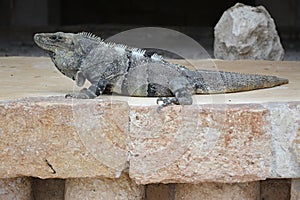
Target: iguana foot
77 95
166 101
83 94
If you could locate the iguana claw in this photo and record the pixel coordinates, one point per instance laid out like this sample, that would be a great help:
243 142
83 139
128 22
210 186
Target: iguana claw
77 96
165 102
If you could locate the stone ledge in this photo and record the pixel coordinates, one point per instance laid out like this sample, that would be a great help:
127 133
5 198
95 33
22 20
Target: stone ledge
221 138
60 138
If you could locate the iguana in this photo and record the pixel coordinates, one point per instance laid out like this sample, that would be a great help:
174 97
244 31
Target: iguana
123 70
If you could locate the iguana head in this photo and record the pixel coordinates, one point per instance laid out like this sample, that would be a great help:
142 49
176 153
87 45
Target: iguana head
65 49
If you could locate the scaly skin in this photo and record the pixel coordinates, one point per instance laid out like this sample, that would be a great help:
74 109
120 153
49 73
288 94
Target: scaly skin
115 68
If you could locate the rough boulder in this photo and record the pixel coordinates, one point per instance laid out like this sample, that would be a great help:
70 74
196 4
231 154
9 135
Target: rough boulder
246 32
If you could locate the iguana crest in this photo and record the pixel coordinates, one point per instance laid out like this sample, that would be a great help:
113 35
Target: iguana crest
136 51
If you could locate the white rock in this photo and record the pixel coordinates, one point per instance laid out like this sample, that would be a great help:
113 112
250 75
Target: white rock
246 32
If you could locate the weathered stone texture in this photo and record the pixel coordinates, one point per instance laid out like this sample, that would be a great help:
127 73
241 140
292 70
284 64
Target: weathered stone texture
246 32
216 191
196 143
55 137
15 188
275 189
122 188
295 189
284 120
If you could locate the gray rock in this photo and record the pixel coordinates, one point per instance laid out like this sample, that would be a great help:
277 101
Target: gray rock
246 32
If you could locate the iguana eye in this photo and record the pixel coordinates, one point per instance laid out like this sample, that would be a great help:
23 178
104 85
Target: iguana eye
55 37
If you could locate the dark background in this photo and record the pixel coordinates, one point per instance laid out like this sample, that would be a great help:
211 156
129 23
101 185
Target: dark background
20 19
145 13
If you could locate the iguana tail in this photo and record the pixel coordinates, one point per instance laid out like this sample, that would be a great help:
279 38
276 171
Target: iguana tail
213 82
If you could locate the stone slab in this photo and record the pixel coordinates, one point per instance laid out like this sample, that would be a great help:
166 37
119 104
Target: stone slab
59 138
122 188
195 144
217 143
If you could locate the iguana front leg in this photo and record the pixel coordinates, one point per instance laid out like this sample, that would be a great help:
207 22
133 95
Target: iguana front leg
181 89
87 93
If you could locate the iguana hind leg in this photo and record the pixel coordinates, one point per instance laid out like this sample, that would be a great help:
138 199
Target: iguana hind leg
183 98
181 89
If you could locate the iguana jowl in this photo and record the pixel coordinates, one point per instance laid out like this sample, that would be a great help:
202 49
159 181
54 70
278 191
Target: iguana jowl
115 68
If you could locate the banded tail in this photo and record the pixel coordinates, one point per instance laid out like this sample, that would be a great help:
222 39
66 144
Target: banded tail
214 82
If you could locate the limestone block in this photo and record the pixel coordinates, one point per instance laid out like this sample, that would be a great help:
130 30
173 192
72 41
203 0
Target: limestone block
216 191
199 143
59 138
48 189
246 32
295 189
275 189
122 188
15 188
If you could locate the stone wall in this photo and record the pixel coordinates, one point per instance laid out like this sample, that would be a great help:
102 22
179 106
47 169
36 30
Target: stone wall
213 152
235 146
